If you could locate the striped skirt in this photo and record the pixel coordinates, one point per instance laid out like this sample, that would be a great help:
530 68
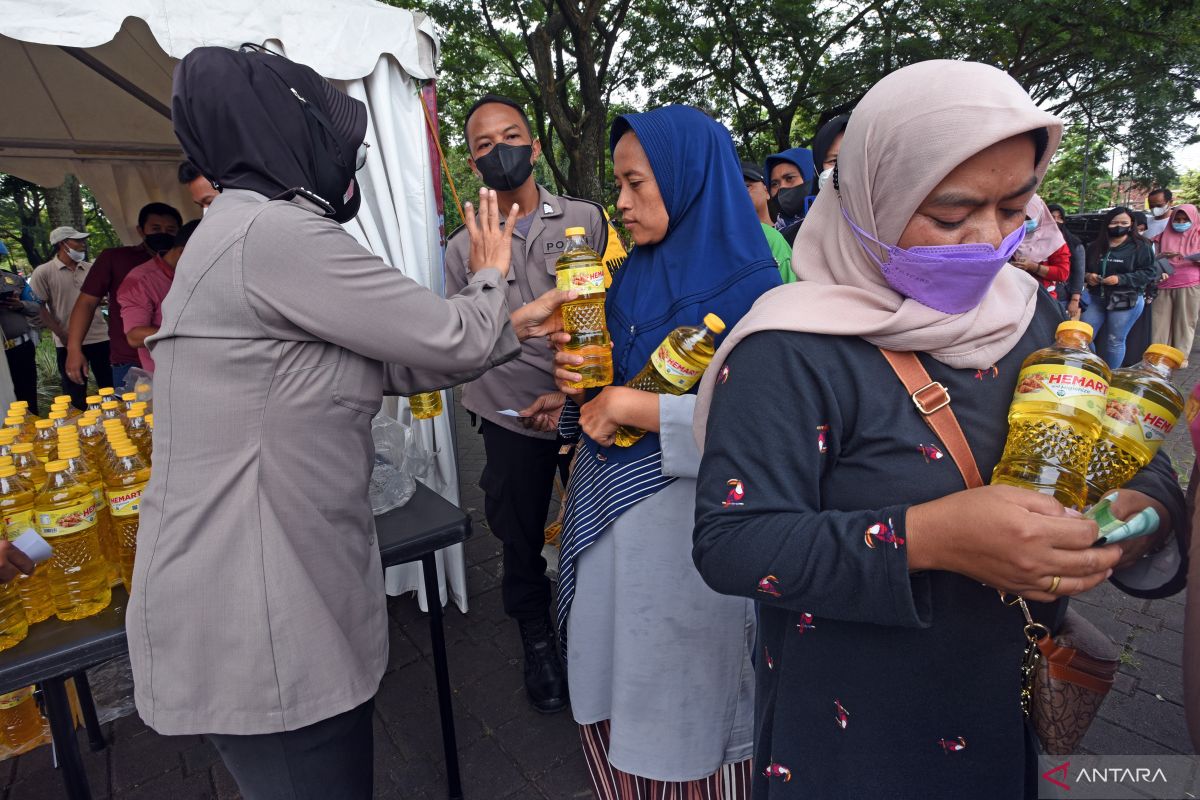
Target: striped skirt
731 782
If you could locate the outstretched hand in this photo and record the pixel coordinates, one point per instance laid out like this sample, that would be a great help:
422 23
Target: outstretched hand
491 243
540 316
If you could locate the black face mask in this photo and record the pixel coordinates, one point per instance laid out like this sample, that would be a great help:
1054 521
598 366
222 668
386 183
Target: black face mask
1119 231
160 242
790 202
506 167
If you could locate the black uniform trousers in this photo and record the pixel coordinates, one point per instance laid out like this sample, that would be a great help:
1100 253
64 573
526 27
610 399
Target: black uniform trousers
22 365
517 482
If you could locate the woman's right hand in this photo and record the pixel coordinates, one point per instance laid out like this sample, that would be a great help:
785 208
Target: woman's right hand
564 362
1091 279
491 244
1011 539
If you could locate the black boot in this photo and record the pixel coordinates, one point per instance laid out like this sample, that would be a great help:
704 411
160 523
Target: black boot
545 681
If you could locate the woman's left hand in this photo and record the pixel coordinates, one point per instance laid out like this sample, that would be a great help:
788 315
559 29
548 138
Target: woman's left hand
1128 503
540 317
1091 279
1112 280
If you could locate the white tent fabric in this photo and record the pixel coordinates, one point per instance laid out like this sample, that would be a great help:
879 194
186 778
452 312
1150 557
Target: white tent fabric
87 90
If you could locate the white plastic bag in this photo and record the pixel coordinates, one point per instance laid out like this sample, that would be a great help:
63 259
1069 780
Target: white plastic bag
399 461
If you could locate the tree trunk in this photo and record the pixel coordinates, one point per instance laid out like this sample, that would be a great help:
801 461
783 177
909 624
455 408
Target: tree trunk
64 204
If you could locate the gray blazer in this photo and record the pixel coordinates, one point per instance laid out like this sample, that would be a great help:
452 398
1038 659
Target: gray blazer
258 601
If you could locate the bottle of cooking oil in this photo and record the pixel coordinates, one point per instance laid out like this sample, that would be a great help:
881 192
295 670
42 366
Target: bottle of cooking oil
106 393
124 492
44 440
64 401
128 399
91 436
675 366
579 268
87 473
139 431
16 421
93 403
8 436
66 517
1143 407
22 726
16 500
1056 417
28 467
16 506
426 405
110 409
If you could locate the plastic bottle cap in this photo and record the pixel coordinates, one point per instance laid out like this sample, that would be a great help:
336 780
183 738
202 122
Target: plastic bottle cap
110 405
142 387
135 413
1167 351
129 397
43 424
7 470
106 391
68 431
68 452
7 435
62 398
142 404
1075 325
58 415
714 323
125 451
93 399
23 447
19 404
12 420
56 466
576 231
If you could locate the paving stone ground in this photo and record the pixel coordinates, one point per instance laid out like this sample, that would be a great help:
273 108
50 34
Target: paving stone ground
508 751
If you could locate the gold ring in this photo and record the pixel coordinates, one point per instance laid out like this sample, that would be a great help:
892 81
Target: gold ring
1054 582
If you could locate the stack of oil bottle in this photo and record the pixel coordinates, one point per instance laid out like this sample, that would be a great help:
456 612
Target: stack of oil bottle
76 479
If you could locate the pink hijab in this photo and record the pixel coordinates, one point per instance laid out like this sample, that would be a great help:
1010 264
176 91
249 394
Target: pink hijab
1187 273
1047 239
910 131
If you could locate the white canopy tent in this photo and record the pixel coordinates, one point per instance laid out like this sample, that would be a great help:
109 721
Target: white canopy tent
87 91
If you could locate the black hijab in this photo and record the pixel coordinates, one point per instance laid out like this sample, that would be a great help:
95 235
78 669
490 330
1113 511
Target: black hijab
253 120
824 140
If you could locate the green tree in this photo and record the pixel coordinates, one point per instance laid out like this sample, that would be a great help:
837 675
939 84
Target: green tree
1064 178
1189 187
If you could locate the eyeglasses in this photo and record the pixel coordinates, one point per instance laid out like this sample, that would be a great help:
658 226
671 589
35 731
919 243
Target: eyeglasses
360 159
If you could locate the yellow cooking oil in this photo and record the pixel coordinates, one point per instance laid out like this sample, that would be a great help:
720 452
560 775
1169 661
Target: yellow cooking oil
1056 417
1142 409
65 511
22 726
425 405
579 269
90 476
16 506
675 366
123 489
139 431
28 466
44 440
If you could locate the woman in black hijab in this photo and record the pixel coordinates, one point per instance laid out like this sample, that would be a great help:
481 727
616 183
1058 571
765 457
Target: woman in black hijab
257 612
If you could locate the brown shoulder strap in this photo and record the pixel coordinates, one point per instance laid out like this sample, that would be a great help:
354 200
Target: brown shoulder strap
933 401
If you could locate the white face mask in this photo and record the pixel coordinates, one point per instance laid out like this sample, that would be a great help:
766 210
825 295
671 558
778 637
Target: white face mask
823 178
1160 211
75 255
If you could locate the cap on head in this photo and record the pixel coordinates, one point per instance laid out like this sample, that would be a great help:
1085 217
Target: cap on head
65 232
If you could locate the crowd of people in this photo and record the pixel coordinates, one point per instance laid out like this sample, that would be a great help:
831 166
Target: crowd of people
781 576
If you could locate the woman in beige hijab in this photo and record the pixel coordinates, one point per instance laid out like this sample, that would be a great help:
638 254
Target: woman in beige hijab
886 666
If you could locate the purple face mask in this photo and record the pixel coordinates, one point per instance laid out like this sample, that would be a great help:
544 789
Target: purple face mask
950 278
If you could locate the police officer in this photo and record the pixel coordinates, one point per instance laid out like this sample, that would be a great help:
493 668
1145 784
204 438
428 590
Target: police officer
19 308
522 455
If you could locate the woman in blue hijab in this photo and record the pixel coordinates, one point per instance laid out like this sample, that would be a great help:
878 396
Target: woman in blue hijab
790 178
658 664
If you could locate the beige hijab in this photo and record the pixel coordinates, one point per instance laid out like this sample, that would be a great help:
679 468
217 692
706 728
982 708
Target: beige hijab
910 131
1047 239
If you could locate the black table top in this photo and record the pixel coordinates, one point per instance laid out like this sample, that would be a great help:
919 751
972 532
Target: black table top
54 648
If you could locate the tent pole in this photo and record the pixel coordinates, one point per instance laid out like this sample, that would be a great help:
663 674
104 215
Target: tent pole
114 77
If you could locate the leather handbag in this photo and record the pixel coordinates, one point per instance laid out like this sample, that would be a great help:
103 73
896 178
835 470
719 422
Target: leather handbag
1065 676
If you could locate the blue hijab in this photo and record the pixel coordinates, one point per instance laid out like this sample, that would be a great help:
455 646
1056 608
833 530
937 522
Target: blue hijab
714 258
802 158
